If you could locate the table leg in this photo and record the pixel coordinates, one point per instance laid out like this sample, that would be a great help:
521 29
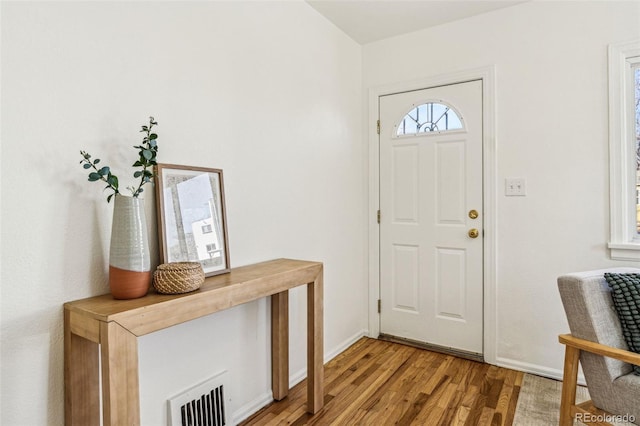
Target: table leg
280 345
81 380
315 341
120 385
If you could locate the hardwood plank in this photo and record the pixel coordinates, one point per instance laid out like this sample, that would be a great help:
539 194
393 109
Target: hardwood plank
450 404
375 398
432 412
502 407
416 406
513 401
382 375
494 393
476 410
375 382
359 368
461 416
351 397
405 393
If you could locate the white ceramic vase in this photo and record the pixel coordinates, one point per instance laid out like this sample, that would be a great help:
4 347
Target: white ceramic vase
129 264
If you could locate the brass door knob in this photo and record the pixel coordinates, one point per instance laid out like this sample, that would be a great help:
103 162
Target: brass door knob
473 233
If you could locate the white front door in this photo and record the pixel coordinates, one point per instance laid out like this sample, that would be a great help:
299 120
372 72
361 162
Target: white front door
431 277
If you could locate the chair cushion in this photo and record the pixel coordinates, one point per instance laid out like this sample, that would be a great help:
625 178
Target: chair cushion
625 393
625 292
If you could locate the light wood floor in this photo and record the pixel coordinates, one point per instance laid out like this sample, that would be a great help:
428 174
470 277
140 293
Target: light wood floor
381 383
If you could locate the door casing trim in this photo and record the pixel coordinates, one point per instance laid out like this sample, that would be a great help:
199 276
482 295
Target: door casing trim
489 187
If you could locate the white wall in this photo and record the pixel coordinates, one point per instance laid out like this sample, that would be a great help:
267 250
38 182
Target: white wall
268 91
551 120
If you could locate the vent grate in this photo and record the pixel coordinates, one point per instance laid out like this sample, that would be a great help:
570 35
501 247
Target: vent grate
201 405
208 410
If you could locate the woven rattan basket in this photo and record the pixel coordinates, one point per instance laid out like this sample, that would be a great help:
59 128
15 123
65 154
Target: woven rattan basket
178 277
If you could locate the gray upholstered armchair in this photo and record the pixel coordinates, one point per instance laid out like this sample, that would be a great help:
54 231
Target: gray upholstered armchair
596 340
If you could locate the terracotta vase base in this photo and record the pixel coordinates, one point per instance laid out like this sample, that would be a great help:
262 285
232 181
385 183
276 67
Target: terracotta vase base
128 284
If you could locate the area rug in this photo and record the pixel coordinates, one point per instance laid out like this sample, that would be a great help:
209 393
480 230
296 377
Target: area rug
539 402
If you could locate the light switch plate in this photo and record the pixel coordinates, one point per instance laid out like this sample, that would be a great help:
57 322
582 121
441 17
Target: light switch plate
515 187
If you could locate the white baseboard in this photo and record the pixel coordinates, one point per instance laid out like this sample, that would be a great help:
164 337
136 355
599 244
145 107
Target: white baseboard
539 370
328 356
266 398
251 407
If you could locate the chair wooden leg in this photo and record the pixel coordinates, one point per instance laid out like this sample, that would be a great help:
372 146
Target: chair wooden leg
569 383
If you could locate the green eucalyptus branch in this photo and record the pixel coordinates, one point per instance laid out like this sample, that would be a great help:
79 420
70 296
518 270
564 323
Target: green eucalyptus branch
103 174
148 151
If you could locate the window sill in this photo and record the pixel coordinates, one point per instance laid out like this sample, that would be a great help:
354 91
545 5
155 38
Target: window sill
625 251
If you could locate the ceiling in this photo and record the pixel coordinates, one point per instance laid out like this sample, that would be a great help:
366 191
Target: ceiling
366 21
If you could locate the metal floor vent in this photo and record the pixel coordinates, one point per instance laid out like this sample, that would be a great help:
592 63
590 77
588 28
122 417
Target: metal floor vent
201 405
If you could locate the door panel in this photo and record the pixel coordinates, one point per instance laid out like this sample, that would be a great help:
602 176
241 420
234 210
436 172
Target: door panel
451 284
450 163
405 278
405 183
430 269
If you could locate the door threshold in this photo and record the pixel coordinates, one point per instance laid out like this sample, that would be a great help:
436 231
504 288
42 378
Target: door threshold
473 356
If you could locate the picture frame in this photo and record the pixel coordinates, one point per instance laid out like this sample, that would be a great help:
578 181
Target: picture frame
192 220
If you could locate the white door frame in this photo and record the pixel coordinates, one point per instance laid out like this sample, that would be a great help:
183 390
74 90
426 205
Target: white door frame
489 181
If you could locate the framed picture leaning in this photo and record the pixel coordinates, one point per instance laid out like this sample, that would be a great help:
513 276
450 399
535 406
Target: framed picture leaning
192 221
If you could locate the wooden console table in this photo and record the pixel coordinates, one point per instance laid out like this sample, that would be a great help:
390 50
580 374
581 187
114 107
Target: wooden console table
112 327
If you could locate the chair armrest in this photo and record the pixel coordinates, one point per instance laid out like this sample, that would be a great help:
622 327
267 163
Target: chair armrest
600 349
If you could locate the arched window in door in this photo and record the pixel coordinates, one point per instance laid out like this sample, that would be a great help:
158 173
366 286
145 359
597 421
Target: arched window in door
430 117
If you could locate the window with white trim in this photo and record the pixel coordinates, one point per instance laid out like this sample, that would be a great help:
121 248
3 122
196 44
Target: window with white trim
624 149
429 117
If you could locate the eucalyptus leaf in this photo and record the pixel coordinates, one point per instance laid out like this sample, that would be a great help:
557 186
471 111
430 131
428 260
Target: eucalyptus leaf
113 181
147 155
